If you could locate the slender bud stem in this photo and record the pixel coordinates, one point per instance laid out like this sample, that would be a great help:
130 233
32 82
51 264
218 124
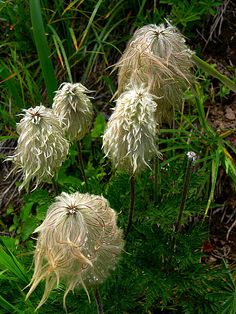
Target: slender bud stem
131 210
184 194
80 159
98 301
157 182
191 159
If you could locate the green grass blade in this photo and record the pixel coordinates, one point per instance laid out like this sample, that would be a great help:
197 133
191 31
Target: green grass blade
210 70
8 306
201 114
73 37
214 173
9 262
90 22
101 39
11 84
42 48
58 42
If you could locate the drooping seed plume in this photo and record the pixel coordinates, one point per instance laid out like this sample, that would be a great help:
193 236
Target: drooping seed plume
75 109
131 134
78 244
158 57
41 146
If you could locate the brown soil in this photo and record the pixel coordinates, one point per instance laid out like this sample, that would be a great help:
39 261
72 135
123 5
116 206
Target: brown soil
220 49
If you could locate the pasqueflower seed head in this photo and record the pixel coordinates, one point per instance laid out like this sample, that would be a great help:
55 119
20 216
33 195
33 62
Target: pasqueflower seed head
72 104
41 146
158 57
78 244
131 134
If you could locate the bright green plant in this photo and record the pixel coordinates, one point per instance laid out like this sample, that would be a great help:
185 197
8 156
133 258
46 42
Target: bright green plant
156 273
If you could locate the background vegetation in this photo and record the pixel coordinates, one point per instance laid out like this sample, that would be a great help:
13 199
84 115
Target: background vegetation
83 39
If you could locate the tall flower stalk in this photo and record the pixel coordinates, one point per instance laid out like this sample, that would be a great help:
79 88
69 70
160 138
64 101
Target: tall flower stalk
158 58
75 110
191 158
131 134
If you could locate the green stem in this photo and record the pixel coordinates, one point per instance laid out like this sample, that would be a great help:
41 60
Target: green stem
177 229
184 195
131 210
98 301
157 182
82 165
206 67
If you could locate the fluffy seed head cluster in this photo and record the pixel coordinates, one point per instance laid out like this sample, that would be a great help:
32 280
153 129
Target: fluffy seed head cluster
74 108
131 134
78 243
41 147
158 57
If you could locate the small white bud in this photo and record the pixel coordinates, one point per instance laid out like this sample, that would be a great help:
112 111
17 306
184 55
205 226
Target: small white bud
192 156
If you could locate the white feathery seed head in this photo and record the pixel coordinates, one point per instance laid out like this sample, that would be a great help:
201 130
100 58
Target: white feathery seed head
41 146
72 104
131 134
78 244
158 57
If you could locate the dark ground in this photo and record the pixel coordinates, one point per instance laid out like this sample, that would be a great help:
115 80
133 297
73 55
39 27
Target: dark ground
220 49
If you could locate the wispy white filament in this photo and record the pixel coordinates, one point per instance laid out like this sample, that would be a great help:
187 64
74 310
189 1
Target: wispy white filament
75 109
131 134
41 146
78 243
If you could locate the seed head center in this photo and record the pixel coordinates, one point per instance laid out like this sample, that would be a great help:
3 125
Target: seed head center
71 210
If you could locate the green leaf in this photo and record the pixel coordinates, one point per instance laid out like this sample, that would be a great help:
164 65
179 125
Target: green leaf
212 71
9 262
28 228
25 211
99 126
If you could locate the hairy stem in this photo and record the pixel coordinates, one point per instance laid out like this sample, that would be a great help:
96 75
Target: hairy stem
131 209
157 182
80 159
189 168
184 194
98 301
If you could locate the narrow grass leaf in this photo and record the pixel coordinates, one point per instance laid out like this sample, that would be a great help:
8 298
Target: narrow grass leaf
42 48
214 173
73 37
206 67
201 114
60 44
8 306
9 262
69 7
11 84
90 22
